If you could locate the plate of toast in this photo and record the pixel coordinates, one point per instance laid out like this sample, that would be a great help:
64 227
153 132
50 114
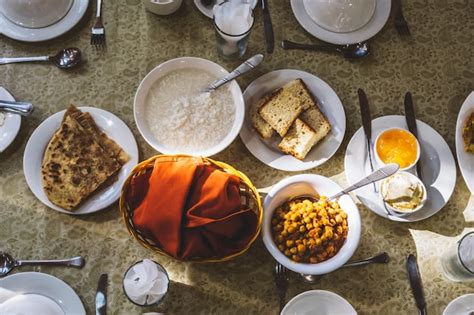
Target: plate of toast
295 121
77 160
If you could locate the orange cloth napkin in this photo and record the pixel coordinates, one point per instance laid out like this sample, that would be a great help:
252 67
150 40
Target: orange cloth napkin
191 209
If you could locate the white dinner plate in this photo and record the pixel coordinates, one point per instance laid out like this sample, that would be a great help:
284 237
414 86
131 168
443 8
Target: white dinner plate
18 32
465 159
36 283
376 23
207 11
318 302
115 128
267 150
462 305
437 163
9 123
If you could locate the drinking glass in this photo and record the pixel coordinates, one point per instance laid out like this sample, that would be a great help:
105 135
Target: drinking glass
458 259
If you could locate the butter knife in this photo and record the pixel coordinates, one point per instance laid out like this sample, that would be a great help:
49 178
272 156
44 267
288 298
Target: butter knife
416 285
411 123
101 296
267 27
367 125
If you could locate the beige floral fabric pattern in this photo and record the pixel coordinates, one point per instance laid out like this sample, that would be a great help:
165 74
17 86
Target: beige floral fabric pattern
436 64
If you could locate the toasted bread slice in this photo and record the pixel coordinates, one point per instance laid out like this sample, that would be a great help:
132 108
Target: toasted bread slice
299 140
262 127
314 118
468 134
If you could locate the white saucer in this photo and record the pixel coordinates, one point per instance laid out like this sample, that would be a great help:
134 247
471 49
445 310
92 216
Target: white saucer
115 128
25 283
207 11
318 302
461 305
437 161
465 159
376 23
11 122
267 150
17 32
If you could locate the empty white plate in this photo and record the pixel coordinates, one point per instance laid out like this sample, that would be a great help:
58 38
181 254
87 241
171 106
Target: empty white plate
318 302
267 150
115 128
340 16
437 163
9 123
465 159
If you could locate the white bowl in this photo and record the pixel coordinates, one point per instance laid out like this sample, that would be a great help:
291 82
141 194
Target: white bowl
310 184
379 160
35 13
180 63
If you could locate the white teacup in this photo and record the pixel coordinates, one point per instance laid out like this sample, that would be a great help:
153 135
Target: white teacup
35 13
162 7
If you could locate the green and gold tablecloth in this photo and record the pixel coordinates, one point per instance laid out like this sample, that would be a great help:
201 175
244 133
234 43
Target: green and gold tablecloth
436 64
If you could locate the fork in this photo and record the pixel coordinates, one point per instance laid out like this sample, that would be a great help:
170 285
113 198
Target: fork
98 30
281 282
400 23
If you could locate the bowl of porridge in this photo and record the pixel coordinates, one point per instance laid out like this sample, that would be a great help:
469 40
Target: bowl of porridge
175 116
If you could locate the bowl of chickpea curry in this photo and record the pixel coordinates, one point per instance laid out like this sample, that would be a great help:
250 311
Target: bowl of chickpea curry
306 232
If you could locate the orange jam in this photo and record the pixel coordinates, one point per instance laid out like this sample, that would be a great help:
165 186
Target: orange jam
397 146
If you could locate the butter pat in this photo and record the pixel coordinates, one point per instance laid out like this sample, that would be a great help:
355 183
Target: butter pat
403 191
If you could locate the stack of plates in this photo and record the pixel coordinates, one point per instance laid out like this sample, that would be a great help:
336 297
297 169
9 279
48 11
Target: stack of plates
39 20
342 21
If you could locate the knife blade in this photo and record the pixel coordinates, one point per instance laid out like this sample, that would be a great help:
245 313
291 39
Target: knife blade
367 126
411 123
267 27
415 283
101 295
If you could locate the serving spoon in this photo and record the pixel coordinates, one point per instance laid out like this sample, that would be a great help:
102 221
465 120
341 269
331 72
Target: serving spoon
7 263
352 51
64 59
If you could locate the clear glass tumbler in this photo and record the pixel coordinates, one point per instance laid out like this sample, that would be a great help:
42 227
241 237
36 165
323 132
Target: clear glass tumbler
458 259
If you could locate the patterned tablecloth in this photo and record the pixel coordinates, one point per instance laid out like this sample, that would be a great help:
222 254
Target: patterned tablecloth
436 64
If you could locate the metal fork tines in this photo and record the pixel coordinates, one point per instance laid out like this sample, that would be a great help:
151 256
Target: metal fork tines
400 23
98 30
281 282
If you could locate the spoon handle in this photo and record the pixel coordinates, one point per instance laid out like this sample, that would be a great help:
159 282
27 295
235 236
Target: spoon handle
71 262
380 258
286 44
247 66
21 108
379 174
4 60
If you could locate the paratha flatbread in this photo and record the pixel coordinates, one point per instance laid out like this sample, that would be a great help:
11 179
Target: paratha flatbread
75 165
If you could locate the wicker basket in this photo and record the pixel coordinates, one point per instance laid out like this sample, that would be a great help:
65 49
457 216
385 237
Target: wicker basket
248 193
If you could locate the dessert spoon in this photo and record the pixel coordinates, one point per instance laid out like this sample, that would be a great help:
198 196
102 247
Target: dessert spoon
352 51
64 59
7 263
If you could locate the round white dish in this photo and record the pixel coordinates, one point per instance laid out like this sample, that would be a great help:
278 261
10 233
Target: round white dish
113 126
340 16
20 33
414 178
267 150
207 11
465 159
318 302
139 104
43 284
310 184
370 29
11 123
463 304
35 13
439 168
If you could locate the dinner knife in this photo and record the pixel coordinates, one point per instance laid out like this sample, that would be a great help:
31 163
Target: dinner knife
101 296
411 123
367 125
415 283
267 27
